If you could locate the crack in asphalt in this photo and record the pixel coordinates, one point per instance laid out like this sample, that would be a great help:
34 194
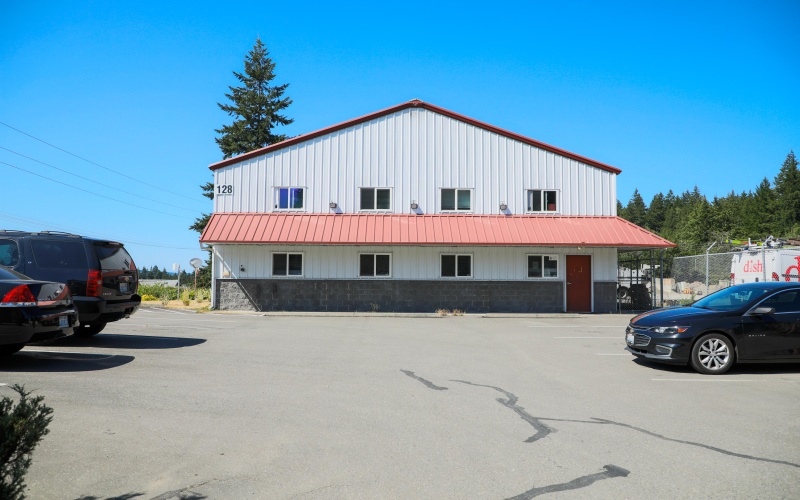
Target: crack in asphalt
427 383
542 430
690 443
611 471
184 493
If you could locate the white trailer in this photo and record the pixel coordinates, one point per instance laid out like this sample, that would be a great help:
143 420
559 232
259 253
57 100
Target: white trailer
765 264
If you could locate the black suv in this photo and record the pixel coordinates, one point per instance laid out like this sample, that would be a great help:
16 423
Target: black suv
100 274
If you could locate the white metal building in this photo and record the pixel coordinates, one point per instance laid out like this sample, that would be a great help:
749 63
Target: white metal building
415 208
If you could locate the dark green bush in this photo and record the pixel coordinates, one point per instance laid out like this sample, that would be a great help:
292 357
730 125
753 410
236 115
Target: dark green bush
22 426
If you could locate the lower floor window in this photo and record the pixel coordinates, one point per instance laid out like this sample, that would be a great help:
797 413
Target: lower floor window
374 264
287 264
456 266
542 266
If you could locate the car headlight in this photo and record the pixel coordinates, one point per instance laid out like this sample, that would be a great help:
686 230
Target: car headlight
670 330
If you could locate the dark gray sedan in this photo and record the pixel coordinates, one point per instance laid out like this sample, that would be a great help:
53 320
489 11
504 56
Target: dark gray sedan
755 322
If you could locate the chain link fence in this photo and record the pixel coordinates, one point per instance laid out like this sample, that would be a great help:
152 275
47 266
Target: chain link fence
647 280
694 276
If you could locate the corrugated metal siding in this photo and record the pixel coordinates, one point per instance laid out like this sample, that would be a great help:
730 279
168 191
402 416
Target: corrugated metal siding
416 152
408 263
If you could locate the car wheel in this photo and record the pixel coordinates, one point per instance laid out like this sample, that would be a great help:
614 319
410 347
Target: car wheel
622 293
9 349
89 329
712 354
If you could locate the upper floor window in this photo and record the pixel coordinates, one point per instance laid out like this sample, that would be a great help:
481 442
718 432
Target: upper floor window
290 198
540 200
542 266
457 199
287 264
371 265
376 199
457 266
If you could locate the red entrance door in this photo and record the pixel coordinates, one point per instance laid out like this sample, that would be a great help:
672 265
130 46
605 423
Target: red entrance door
579 283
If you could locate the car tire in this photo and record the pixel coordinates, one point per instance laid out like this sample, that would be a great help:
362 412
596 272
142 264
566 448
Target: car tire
622 293
713 354
89 330
9 349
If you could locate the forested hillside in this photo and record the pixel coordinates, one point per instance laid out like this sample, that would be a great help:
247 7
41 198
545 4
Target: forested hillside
693 222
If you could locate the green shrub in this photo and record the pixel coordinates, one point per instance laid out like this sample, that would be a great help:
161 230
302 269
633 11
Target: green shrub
186 297
22 426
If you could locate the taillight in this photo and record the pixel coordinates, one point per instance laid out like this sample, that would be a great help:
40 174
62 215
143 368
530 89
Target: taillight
94 283
21 296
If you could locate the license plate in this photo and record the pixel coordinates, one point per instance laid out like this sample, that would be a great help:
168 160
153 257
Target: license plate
123 288
63 322
629 338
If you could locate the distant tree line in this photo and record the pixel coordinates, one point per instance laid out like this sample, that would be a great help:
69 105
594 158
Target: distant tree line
693 222
154 273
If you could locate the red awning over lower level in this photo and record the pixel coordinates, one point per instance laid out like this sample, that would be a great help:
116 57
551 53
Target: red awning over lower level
405 229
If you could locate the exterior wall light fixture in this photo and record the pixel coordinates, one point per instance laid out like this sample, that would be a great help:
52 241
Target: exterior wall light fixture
503 205
332 204
414 205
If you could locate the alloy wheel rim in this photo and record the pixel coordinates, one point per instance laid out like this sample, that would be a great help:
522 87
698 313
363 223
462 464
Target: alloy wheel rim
714 354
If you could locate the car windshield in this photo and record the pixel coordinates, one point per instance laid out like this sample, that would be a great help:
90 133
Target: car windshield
730 299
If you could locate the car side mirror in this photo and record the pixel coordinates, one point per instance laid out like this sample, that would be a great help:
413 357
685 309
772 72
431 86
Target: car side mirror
759 311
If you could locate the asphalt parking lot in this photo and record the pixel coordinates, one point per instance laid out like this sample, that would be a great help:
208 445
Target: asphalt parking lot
170 404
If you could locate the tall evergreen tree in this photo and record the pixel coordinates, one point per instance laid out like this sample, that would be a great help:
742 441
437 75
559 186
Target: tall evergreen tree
636 210
787 203
256 106
656 213
762 214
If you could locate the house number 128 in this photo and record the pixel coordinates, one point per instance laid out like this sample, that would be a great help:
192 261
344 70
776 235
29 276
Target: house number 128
224 189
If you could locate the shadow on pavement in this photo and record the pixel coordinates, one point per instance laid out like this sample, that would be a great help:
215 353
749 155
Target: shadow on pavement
738 368
116 341
126 496
31 359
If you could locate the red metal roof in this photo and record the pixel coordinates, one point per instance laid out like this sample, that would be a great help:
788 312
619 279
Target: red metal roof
404 229
414 103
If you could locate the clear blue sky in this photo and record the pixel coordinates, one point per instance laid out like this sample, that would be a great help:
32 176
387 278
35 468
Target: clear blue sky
675 94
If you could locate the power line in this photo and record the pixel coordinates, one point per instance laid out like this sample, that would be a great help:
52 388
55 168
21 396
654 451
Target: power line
96 194
95 164
115 188
35 222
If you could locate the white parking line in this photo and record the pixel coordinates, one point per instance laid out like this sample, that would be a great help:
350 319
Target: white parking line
566 326
618 337
700 380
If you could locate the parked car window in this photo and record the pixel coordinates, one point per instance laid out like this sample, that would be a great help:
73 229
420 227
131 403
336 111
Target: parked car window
730 299
9 253
113 257
784 302
52 254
